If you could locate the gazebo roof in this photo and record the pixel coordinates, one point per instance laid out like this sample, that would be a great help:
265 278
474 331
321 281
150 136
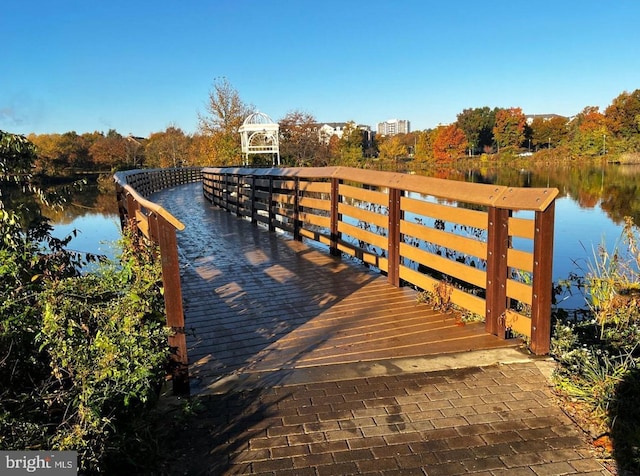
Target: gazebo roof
259 121
258 118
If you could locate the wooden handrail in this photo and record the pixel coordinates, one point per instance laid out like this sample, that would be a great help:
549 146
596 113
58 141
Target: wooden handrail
160 226
154 207
499 196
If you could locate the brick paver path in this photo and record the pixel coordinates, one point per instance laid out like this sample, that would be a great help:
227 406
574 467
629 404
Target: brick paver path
497 420
493 420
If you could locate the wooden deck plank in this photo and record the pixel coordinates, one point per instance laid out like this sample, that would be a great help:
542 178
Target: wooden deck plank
258 301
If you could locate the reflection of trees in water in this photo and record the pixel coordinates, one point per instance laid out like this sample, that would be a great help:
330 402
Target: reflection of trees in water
77 200
620 201
87 200
14 198
614 187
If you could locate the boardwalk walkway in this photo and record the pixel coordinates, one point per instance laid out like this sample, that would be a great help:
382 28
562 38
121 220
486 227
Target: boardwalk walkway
315 366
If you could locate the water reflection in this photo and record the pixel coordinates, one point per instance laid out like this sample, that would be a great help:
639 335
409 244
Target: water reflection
94 214
610 187
590 209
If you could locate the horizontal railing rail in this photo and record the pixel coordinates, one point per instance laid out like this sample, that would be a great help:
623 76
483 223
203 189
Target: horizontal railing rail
149 181
132 190
485 248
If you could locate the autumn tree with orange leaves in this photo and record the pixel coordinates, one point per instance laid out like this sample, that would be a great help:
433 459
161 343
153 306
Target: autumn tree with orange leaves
226 113
449 143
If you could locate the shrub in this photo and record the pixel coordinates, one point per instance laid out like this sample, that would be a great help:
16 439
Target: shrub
599 357
82 356
107 345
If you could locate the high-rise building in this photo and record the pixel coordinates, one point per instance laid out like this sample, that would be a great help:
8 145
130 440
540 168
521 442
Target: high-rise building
394 126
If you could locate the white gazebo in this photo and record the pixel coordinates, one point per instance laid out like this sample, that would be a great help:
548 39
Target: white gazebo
259 135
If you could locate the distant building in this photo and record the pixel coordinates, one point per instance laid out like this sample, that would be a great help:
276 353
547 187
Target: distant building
545 117
328 129
394 126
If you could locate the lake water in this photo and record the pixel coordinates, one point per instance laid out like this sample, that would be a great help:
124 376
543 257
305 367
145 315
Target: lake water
97 233
589 211
95 217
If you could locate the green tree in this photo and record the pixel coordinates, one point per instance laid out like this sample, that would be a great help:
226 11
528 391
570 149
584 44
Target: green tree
29 255
81 355
17 155
622 119
478 124
74 150
587 133
548 131
350 145
509 128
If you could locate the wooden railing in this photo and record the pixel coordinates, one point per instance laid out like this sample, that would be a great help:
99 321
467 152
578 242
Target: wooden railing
158 225
149 181
486 248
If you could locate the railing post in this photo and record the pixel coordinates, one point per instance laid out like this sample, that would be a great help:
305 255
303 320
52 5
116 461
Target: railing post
121 198
497 270
225 191
395 215
334 217
271 211
542 281
254 220
296 210
166 238
132 206
238 196
216 189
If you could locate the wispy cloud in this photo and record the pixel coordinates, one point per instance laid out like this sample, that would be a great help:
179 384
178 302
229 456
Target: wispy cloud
9 116
20 111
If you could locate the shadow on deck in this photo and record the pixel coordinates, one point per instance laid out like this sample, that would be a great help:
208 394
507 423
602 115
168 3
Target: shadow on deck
257 302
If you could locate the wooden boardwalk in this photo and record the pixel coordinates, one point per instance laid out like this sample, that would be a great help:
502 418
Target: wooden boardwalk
257 301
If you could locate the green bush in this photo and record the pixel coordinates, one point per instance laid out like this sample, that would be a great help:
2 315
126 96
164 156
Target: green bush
108 351
82 355
90 362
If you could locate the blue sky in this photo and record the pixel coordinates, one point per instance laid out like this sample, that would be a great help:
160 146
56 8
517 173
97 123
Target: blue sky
141 66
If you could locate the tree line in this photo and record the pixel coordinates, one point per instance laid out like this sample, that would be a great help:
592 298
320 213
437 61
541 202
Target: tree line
504 131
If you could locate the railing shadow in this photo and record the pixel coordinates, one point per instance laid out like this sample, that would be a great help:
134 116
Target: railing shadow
219 433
